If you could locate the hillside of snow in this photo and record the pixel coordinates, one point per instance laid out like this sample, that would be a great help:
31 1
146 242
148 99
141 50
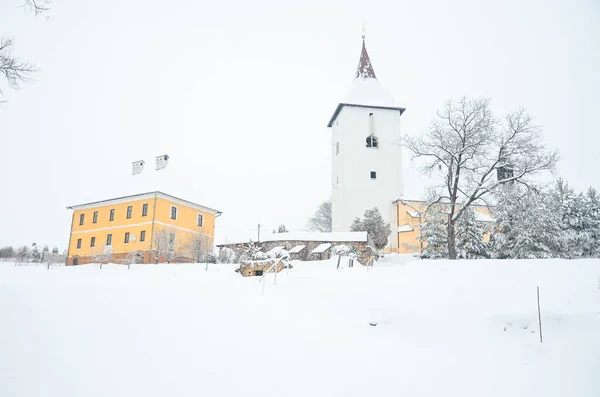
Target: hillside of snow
440 328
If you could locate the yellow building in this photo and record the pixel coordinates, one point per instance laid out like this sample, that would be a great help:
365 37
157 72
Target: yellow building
408 213
112 230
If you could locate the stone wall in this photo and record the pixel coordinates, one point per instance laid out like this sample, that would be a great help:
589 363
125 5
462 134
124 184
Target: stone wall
362 249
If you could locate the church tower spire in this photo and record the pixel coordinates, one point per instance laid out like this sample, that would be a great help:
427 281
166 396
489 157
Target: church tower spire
365 68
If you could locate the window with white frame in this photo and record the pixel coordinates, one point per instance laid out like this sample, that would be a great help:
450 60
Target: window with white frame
200 220
173 212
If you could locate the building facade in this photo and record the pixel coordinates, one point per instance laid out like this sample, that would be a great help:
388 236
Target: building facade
366 153
408 218
117 227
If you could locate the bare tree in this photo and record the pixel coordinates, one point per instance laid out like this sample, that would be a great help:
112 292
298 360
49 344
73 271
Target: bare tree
39 7
133 257
165 245
102 257
321 221
14 70
473 154
198 246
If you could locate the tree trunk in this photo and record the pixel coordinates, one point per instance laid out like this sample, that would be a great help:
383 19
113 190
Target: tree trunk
451 240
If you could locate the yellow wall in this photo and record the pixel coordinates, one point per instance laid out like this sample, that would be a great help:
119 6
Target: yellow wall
409 241
185 226
186 217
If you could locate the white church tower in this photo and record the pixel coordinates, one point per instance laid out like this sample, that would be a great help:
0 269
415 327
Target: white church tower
366 158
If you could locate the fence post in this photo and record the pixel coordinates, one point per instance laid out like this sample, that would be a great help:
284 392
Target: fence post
539 313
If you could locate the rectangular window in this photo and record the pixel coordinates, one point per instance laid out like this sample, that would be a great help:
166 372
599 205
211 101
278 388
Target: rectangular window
373 175
95 217
200 220
173 212
129 210
109 239
127 238
93 242
371 123
145 210
81 219
142 236
78 243
111 217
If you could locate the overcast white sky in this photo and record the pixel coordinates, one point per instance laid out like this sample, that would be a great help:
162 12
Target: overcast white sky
239 94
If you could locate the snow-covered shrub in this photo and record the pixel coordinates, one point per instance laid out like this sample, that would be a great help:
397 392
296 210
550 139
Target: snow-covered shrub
209 258
344 250
278 252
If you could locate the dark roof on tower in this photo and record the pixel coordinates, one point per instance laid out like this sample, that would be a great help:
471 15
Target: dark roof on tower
365 68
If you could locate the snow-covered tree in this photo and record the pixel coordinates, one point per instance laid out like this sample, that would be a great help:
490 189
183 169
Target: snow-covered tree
36 255
23 254
282 229
473 154
102 256
133 257
198 246
374 225
166 245
469 237
55 250
252 251
528 225
433 233
46 249
591 233
321 221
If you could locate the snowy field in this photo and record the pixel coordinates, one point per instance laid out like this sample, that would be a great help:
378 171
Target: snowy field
464 328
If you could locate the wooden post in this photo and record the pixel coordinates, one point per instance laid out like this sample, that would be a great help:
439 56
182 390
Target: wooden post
539 313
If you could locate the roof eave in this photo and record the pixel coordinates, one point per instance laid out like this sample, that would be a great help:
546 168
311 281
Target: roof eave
341 105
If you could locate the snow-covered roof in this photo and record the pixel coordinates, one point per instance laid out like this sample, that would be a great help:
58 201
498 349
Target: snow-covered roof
481 217
297 248
334 237
275 250
321 248
405 228
368 92
413 214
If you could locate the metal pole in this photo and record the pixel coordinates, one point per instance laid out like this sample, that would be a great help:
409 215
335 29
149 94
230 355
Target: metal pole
539 313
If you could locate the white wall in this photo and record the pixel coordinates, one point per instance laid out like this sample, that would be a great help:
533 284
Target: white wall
353 190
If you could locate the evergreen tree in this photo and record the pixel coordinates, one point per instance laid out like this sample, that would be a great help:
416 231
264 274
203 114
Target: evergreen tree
469 237
55 250
374 225
434 233
528 225
592 231
46 249
35 253
282 229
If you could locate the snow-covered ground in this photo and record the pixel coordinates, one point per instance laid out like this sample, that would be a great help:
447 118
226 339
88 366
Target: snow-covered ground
464 328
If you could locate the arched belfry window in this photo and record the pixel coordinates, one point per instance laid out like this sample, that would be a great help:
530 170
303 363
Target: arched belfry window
372 141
